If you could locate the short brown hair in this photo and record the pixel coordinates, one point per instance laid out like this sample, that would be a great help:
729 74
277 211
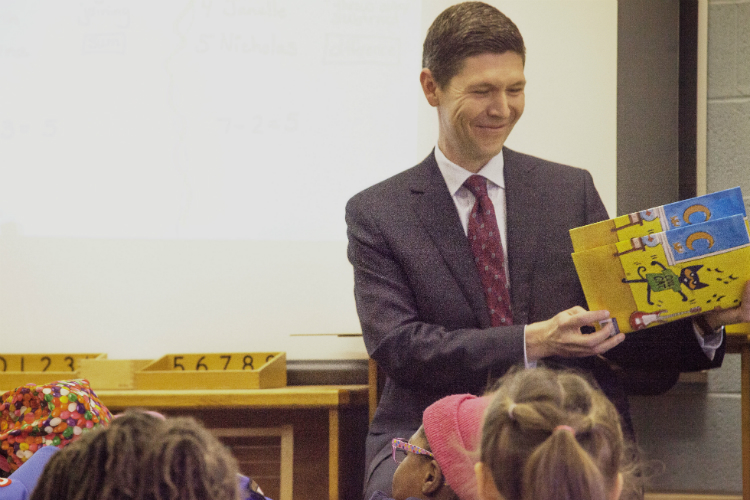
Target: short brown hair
467 29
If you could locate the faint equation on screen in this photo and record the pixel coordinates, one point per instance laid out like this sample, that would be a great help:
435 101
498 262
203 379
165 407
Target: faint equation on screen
95 17
11 129
239 43
189 105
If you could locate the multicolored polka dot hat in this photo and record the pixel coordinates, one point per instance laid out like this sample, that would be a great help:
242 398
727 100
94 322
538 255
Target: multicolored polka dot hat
33 416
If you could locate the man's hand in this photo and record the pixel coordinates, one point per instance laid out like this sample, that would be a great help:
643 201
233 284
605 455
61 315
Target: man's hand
739 314
561 335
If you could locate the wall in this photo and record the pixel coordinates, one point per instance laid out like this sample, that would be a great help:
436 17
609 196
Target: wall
691 435
647 104
728 162
694 429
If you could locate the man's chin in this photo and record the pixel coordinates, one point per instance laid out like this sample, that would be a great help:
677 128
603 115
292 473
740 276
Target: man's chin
489 151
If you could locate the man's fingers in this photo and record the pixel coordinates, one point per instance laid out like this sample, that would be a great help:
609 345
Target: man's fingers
575 310
561 335
745 305
591 344
609 343
740 314
583 317
596 338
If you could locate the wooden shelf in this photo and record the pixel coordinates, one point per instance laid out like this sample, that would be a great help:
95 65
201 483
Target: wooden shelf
318 396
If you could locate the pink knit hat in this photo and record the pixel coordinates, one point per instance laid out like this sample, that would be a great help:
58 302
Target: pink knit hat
453 427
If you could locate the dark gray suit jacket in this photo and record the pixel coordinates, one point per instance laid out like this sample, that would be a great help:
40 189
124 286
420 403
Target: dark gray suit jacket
420 301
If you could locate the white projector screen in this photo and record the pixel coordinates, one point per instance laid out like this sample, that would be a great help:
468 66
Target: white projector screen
173 175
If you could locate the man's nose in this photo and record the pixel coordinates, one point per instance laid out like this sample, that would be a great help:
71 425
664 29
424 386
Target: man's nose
500 106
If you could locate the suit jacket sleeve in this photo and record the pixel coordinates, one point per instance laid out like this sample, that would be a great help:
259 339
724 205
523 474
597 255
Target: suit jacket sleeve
669 347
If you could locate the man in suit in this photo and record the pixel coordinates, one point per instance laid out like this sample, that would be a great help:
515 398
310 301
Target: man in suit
428 316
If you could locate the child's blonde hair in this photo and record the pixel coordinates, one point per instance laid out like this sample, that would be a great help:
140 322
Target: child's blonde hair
551 435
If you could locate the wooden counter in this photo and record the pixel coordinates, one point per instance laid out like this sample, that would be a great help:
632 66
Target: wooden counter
314 396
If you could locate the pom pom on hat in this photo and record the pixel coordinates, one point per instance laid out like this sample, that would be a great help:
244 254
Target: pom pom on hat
453 427
33 416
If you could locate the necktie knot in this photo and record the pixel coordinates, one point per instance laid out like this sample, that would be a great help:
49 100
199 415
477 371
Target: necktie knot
477 185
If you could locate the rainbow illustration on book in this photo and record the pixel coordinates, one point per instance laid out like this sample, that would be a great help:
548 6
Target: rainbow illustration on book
664 218
653 277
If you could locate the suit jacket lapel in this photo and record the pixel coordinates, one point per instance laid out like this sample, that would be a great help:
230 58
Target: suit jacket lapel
521 202
434 206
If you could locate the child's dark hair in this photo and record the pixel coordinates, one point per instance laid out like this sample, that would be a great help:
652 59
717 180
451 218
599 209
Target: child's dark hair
552 435
188 463
141 457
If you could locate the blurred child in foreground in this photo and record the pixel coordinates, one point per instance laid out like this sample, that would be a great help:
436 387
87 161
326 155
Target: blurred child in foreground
550 435
437 462
140 456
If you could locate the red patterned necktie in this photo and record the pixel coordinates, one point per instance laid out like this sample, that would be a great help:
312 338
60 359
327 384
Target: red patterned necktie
484 238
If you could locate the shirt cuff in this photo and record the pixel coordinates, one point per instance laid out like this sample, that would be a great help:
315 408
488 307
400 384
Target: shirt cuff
532 364
709 341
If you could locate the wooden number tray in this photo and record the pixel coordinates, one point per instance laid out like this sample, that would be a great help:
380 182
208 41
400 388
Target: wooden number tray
20 369
231 370
111 374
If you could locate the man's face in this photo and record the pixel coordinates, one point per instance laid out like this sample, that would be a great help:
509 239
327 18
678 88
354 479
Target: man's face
479 107
411 472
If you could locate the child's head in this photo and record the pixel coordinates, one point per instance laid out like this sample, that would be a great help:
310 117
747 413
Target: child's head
418 474
550 435
140 456
193 464
450 431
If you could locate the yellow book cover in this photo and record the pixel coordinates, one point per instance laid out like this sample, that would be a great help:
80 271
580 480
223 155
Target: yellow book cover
655 220
668 275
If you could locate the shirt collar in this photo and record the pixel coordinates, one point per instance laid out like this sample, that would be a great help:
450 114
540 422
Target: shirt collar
455 176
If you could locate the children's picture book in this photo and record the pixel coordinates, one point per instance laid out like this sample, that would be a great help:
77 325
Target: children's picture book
656 277
664 218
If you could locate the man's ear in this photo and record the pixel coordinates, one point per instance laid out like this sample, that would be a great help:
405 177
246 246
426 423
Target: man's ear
485 483
429 87
433 479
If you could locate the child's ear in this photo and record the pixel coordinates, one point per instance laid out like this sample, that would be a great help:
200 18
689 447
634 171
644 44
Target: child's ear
433 479
485 484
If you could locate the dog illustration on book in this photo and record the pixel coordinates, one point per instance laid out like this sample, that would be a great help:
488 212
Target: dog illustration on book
666 279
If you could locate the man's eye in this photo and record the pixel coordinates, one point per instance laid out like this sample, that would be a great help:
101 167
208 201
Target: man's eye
481 92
